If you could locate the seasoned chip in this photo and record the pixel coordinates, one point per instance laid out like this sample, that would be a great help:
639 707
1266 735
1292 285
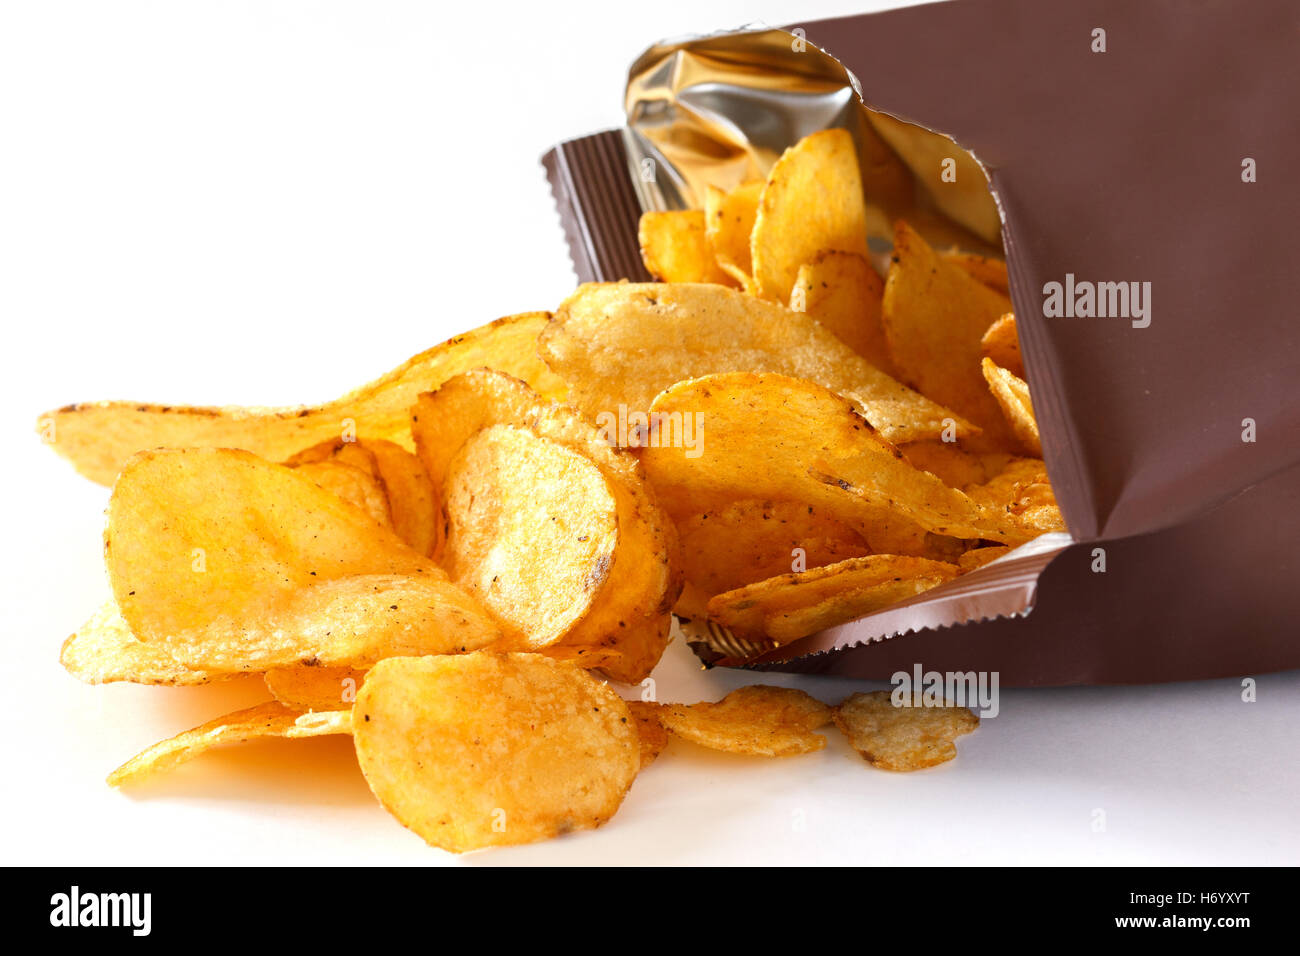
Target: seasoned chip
490 749
1012 393
795 605
956 466
907 737
842 292
230 563
978 557
411 495
759 720
104 651
751 540
1001 343
619 345
651 734
675 247
314 688
992 272
265 720
1021 497
935 316
758 441
624 628
729 222
812 201
98 438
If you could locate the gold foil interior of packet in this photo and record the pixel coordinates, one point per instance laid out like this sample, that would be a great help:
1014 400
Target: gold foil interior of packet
719 111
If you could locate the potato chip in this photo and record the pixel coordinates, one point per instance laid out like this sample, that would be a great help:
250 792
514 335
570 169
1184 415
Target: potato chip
231 563
812 202
493 749
625 627
359 486
844 293
991 272
651 734
412 497
751 540
758 441
1012 393
98 438
675 247
952 464
314 688
1022 496
1001 343
795 605
935 316
759 720
265 720
618 345
910 737
729 222
104 651
978 557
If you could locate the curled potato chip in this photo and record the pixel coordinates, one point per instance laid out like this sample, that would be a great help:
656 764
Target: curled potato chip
812 201
1012 393
1023 496
651 734
265 720
758 441
412 497
978 557
729 222
623 628
98 438
954 465
675 247
795 605
843 292
751 540
1001 343
492 749
104 651
314 688
910 737
935 316
619 345
992 272
759 720
231 563
350 472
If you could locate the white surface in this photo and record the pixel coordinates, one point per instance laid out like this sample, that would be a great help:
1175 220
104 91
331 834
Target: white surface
274 202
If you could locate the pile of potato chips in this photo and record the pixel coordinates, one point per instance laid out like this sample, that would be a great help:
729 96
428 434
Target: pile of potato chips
772 437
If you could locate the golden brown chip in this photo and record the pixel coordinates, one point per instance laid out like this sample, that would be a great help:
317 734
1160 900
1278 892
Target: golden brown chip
232 564
795 605
619 345
1001 343
812 201
490 749
759 720
314 688
675 247
902 737
759 441
651 734
935 316
265 720
978 557
104 651
1021 498
411 495
625 628
1012 393
751 540
954 465
992 272
842 292
98 438
729 222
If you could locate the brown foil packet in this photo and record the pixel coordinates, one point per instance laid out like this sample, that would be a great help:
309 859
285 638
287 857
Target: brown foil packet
1123 143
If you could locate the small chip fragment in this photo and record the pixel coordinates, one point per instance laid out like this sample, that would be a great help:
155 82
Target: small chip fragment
759 720
902 738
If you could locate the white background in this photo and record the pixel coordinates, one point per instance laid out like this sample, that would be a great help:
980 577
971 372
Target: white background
272 202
